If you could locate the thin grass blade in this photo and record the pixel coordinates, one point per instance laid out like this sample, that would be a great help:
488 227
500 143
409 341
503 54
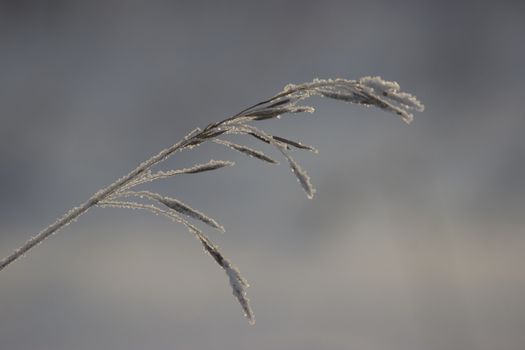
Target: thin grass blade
295 144
247 150
300 174
237 282
185 209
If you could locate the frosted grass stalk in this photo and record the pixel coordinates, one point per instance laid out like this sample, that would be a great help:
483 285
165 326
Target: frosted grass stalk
367 91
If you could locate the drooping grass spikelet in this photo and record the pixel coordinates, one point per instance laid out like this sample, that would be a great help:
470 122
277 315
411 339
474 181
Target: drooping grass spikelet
370 91
175 205
247 150
295 144
197 168
237 282
270 113
390 90
152 209
185 209
211 165
300 174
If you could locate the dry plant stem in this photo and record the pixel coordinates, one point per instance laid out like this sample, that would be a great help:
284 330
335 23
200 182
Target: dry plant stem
367 91
74 213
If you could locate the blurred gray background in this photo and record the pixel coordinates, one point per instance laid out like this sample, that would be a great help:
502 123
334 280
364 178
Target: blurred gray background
415 239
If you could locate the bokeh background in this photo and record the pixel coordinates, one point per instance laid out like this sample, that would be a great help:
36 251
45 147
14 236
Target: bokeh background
415 240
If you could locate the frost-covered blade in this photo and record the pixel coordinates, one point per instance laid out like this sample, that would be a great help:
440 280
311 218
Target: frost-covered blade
370 91
295 144
391 90
247 150
152 209
270 113
211 165
300 174
237 282
185 209
175 205
198 168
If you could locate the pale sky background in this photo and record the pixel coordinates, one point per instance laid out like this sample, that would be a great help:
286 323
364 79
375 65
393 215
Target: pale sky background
416 237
